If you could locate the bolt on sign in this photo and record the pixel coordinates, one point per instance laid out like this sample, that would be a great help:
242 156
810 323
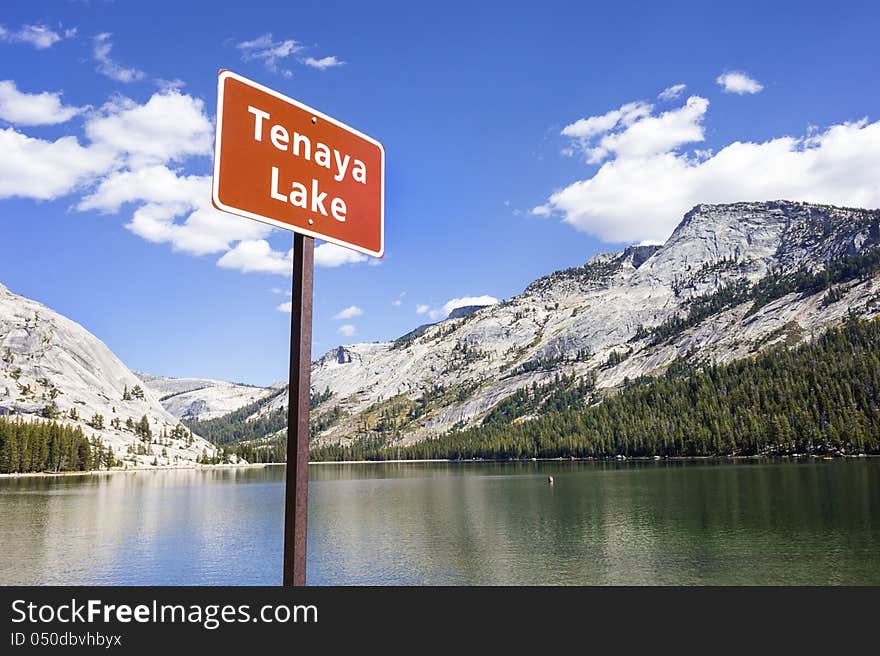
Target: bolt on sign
281 162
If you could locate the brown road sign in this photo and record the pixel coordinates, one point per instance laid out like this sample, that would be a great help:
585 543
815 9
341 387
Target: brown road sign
283 163
288 165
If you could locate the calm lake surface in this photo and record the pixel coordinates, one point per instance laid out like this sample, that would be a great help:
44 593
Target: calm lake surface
445 523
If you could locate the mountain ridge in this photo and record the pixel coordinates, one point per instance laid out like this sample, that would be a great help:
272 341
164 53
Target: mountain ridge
732 280
595 319
199 399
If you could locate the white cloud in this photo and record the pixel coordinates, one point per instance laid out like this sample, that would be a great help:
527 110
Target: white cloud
347 330
647 135
170 126
274 53
205 230
323 63
330 255
257 256
268 51
349 313
591 126
39 36
107 66
398 301
422 309
285 307
156 184
738 82
672 92
173 208
45 170
170 85
43 108
542 210
642 191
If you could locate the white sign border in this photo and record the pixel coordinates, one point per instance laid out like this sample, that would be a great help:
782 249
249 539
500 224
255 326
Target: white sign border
215 197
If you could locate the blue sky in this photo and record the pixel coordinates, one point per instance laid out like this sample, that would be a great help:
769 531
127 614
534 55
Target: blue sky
520 139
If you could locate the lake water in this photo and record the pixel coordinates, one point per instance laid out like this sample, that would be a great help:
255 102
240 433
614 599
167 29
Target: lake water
445 523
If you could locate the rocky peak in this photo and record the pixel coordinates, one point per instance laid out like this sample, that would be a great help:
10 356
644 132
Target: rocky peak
637 255
602 258
464 311
716 244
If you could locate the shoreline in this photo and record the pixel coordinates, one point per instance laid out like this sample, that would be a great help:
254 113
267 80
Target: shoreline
132 470
799 456
136 470
370 462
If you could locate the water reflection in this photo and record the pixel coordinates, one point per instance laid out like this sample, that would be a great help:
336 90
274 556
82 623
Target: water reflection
446 523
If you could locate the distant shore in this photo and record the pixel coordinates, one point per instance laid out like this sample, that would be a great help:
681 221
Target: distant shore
795 456
135 470
370 462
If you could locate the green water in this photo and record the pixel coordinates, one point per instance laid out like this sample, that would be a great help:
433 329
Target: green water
461 524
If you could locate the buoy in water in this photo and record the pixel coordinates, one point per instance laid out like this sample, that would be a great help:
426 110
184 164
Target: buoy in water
550 480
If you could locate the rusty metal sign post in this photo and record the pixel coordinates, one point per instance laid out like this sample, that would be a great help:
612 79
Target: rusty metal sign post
298 411
285 164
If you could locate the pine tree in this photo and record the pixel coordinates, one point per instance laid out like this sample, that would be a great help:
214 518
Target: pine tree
143 429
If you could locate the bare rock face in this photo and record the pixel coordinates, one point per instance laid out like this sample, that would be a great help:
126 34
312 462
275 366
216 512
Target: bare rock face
453 372
202 398
343 356
53 368
638 255
465 311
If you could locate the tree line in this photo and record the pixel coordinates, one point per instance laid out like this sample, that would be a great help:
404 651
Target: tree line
257 439
27 446
236 427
